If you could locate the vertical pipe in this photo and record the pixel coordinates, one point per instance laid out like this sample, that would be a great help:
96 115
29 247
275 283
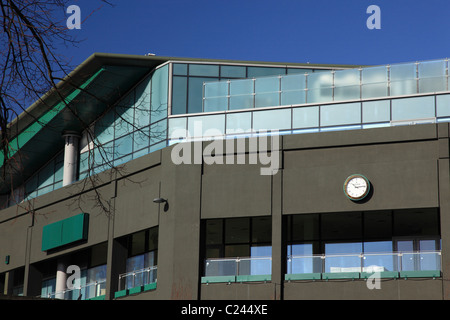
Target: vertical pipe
61 279
70 157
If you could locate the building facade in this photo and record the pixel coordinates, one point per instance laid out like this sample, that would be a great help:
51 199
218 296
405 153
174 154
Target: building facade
169 178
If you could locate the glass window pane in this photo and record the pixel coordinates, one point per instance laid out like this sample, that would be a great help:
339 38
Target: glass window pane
216 96
319 87
177 128
269 84
205 70
261 230
345 78
160 86
319 80
374 75
432 69
254 72
376 111
418 222
214 231
142 105
153 238
237 250
341 226
403 79
293 82
299 70
267 99
403 71
206 125
216 89
272 120
340 114
378 224
413 108
179 95
104 130
215 104
195 94
59 171
241 102
239 122
305 227
238 87
237 230
432 76
306 117
123 146
124 121
158 132
232 72
293 97
141 139
46 175
343 248
180 69
443 105
374 90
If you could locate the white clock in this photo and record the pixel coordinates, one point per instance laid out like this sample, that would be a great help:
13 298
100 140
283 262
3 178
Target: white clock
356 187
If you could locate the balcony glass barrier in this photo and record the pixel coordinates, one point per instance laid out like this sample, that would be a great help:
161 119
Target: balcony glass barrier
376 262
247 266
137 278
84 292
340 85
430 108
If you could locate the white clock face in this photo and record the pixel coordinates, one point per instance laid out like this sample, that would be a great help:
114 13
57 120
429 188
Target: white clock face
356 187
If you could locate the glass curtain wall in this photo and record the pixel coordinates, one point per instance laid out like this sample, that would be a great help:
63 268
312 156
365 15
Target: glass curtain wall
342 237
246 239
142 254
136 126
340 85
188 79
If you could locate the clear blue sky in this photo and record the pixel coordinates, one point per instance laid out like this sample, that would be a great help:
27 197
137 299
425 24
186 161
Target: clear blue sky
315 31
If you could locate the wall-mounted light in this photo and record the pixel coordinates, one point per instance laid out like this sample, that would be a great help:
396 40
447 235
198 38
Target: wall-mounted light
159 200
162 200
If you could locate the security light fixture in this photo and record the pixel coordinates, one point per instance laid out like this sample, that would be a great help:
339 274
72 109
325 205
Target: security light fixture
159 200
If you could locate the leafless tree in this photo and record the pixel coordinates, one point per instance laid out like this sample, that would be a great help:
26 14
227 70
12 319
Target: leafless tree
31 31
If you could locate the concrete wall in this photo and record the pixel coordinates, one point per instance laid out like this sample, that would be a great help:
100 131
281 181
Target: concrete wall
408 167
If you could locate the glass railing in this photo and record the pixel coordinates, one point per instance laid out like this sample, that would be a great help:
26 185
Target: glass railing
368 262
339 85
238 266
137 278
84 292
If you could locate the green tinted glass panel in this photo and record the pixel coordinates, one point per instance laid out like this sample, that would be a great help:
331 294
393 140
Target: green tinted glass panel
340 114
195 94
179 95
142 104
239 122
180 69
160 84
204 70
158 132
376 111
307 117
443 105
254 72
232 72
413 108
269 84
177 128
272 119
